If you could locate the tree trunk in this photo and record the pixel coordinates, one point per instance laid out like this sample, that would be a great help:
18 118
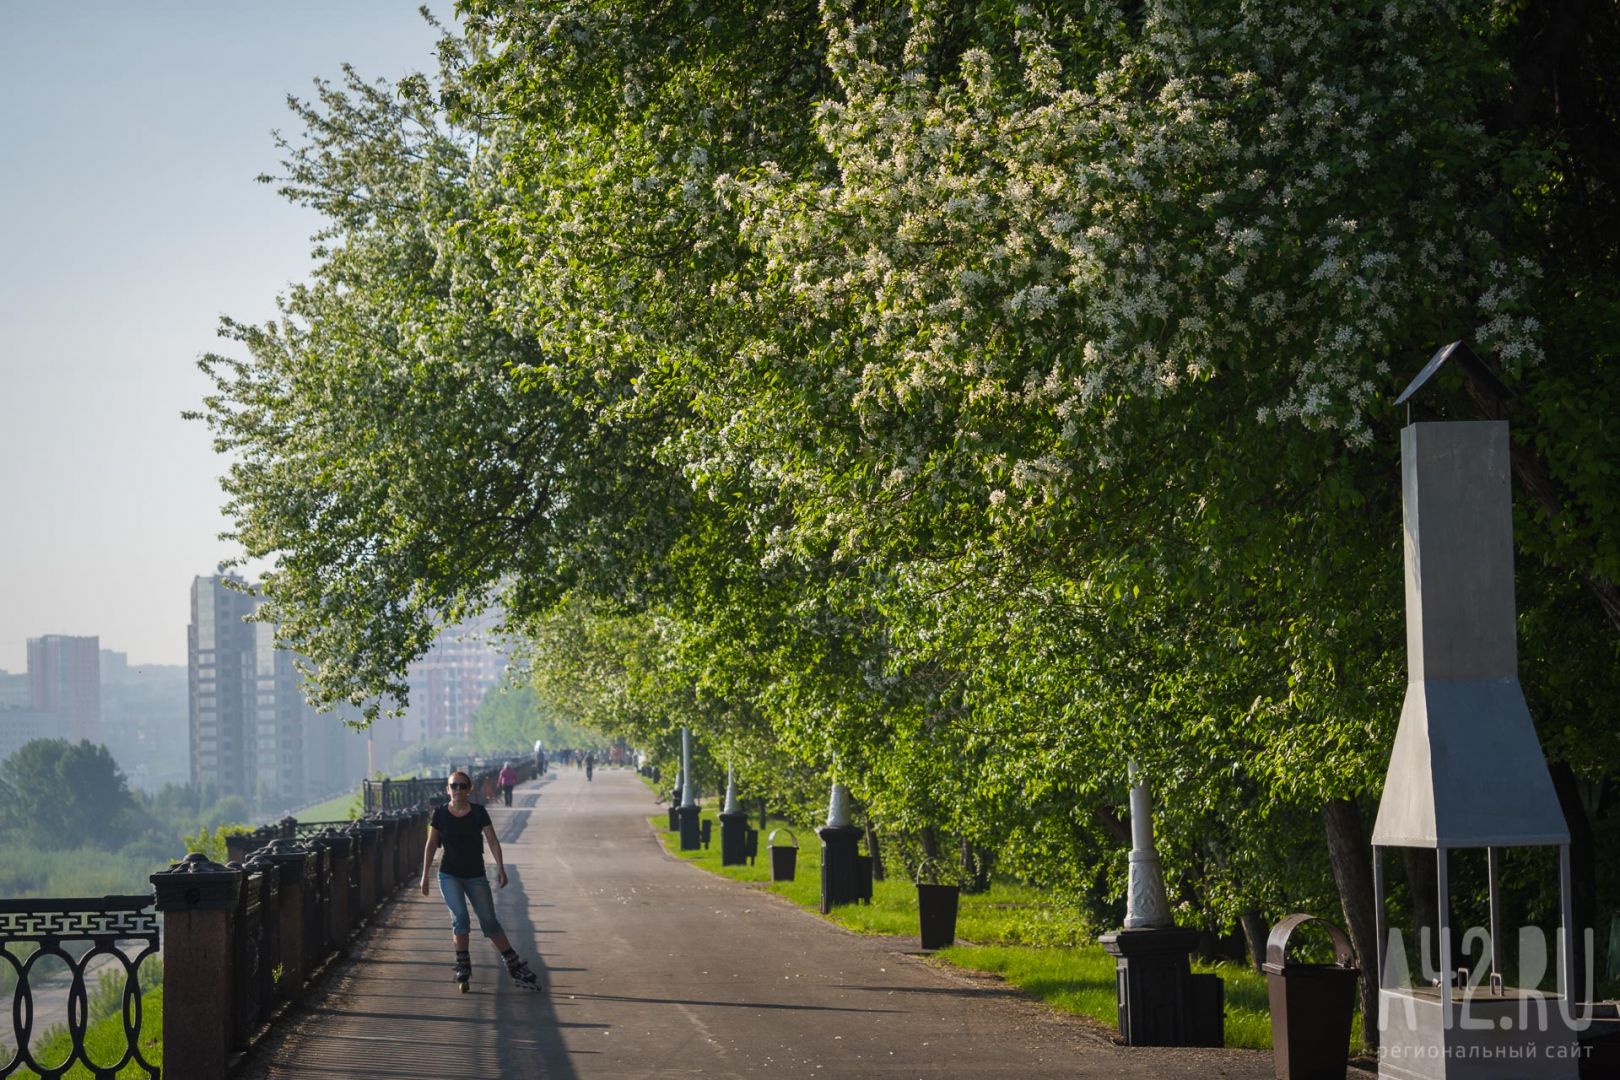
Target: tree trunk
1255 934
872 850
1108 819
1351 857
970 869
762 821
982 865
1582 867
930 842
1489 397
1423 885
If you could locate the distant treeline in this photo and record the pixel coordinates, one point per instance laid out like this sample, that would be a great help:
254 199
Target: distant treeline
72 826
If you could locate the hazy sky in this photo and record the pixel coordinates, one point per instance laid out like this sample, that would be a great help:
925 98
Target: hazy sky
130 134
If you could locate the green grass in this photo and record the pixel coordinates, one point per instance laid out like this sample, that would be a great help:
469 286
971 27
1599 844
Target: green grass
338 808
1012 931
1081 980
104 1043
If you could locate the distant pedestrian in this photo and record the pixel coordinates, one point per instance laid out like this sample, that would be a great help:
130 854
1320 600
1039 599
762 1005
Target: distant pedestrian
462 828
590 764
507 781
489 788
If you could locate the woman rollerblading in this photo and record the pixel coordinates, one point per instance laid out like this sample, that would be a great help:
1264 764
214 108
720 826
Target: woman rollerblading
462 828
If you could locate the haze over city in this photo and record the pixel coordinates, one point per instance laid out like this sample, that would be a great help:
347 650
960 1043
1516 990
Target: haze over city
133 137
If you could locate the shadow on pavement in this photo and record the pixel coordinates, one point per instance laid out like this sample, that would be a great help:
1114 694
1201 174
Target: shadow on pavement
525 1014
725 1004
946 991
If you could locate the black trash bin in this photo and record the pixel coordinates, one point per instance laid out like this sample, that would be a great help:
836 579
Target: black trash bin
936 914
1311 1005
863 878
706 832
784 857
674 818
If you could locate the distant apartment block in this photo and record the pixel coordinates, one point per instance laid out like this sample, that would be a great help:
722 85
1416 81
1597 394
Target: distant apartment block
144 720
450 680
447 685
23 725
14 692
64 678
251 732
219 659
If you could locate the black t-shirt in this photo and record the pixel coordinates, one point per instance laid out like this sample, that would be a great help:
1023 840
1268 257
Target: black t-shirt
462 839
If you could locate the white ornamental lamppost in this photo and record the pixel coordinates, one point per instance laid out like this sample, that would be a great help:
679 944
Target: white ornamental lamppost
688 788
838 807
733 825
838 839
690 836
1161 1002
1146 905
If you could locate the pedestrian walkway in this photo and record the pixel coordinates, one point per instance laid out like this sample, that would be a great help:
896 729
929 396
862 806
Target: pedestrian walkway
655 968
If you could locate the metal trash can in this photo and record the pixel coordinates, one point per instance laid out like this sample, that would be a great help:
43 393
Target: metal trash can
784 857
674 818
1311 1005
863 878
750 845
706 832
936 914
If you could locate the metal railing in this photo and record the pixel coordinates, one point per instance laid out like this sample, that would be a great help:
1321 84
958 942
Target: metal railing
398 794
110 925
286 904
393 794
240 941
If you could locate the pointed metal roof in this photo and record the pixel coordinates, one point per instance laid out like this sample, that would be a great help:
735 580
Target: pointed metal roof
1466 769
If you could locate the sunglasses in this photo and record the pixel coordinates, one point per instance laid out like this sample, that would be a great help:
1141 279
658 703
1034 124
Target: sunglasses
459 786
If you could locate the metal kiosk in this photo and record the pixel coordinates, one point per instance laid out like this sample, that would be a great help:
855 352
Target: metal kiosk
1466 770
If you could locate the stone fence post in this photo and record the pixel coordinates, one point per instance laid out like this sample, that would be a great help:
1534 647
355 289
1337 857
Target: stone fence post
197 899
365 859
295 868
340 921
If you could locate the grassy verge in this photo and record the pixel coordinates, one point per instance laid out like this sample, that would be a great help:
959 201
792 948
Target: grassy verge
1011 931
104 1043
338 808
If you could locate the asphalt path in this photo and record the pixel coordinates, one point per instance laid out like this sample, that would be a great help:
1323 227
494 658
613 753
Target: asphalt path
655 968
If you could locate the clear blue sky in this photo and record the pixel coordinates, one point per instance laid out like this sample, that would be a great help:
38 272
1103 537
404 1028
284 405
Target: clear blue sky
130 134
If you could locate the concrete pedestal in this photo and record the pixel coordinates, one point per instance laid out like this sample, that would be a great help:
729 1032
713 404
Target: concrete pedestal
838 880
294 862
198 900
1485 1037
733 838
1161 1002
691 832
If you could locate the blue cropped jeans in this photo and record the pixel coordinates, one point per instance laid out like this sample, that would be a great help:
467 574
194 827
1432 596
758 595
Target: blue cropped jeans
458 892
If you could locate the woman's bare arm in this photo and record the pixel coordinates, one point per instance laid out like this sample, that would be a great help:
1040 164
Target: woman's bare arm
495 850
427 856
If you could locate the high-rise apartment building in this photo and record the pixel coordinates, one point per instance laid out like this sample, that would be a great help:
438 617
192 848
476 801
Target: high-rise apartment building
252 733
220 652
143 720
450 680
14 692
19 726
447 685
64 678
281 716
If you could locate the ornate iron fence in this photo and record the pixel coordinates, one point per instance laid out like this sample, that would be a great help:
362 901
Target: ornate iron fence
242 940
402 794
110 925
